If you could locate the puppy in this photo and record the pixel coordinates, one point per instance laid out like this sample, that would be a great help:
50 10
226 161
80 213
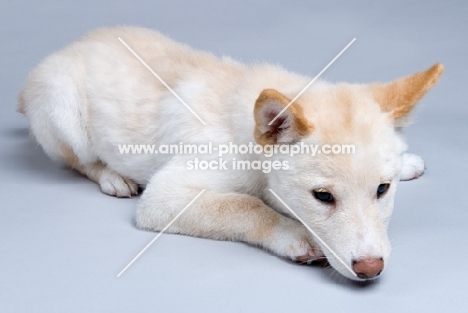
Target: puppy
86 101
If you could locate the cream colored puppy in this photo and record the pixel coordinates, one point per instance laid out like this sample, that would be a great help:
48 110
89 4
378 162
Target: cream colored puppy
85 100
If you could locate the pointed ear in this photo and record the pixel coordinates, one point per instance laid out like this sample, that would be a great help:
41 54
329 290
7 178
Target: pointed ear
400 96
289 127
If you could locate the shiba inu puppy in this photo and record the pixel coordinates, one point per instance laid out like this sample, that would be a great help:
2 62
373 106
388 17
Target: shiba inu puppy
85 100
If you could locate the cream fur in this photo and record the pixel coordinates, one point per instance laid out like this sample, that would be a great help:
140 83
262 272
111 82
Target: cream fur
94 94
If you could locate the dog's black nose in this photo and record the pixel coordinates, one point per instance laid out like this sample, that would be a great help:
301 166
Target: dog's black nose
368 268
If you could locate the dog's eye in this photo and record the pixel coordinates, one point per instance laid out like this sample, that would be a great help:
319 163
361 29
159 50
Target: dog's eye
382 189
323 196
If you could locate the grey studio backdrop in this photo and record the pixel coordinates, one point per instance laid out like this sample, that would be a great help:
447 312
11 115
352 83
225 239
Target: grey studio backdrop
62 242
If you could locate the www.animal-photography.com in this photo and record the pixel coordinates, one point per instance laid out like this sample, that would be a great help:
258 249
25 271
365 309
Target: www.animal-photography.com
246 156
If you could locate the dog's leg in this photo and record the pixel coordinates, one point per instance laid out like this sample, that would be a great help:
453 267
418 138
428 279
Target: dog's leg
413 166
58 117
222 216
110 182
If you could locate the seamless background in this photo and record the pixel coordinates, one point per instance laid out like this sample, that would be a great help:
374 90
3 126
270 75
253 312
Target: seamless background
62 242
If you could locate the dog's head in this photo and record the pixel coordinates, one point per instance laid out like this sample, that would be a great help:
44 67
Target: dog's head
345 196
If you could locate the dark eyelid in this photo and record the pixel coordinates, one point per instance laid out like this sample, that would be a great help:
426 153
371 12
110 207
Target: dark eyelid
386 187
323 196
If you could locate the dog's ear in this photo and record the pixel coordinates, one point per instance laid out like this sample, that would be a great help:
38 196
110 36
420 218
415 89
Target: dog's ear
400 96
289 127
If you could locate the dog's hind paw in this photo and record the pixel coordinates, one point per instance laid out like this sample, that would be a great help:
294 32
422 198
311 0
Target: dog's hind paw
115 185
413 167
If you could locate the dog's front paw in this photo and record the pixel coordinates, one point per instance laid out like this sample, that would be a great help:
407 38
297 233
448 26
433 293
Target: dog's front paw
413 167
292 240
